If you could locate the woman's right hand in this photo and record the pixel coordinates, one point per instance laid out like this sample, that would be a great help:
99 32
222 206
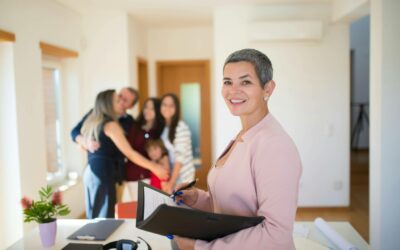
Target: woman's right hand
187 196
92 145
160 172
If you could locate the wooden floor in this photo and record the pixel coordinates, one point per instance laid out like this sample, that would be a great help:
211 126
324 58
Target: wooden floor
358 212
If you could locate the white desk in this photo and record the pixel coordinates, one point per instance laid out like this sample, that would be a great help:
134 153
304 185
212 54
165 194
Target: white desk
128 231
65 227
343 228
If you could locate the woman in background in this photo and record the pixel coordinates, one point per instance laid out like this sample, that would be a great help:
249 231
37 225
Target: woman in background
99 177
177 139
148 126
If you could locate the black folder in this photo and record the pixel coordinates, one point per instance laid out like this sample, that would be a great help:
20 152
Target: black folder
99 230
82 246
190 223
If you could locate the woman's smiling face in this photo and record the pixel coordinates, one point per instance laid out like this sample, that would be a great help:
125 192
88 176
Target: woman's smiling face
168 108
149 113
242 90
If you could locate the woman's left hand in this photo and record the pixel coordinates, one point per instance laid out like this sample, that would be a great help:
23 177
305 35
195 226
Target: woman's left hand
167 187
160 171
184 243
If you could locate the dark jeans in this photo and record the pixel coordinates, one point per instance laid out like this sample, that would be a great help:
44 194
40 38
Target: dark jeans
120 171
100 193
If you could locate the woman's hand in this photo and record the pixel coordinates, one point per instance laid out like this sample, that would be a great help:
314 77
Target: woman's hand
167 187
188 196
91 145
184 243
87 144
160 171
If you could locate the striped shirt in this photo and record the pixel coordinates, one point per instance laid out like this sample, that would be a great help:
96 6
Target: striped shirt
180 151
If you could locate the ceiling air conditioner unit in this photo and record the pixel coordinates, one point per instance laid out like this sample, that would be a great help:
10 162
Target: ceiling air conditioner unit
285 31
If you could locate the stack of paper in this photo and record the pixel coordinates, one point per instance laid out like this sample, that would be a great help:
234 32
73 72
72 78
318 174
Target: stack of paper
333 236
307 244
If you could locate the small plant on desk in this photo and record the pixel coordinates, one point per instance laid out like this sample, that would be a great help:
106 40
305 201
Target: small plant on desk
46 209
45 212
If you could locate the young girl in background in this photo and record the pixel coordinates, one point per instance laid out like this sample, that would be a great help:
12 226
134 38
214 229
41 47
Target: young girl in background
157 153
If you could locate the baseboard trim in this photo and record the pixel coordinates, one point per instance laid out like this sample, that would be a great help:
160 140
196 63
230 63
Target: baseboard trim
82 216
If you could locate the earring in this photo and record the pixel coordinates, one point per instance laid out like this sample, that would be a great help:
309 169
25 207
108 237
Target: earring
266 98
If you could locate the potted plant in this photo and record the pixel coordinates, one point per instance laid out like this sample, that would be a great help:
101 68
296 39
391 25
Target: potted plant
45 212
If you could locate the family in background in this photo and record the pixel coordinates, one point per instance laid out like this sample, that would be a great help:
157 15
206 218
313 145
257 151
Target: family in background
110 135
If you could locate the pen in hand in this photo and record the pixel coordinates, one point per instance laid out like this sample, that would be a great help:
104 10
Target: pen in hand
189 185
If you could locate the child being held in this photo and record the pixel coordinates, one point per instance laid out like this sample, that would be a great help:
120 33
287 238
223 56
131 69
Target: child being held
157 153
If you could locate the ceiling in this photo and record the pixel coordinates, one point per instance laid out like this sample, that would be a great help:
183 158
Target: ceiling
161 13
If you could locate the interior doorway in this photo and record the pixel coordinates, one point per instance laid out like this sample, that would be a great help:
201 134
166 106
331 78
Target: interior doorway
359 127
190 81
143 81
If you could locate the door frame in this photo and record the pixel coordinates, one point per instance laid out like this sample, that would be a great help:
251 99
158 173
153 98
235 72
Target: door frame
143 87
205 115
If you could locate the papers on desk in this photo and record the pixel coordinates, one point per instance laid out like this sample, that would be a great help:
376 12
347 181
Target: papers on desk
301 243
300 231
333 236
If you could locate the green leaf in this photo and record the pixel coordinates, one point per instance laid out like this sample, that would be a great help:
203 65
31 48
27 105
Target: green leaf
44 211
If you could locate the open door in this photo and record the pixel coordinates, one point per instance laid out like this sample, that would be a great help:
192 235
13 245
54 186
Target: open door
190 81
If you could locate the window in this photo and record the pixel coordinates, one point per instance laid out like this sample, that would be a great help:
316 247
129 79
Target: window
60 87
52 112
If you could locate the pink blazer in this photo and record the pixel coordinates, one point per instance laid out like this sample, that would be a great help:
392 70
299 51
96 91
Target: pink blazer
260 178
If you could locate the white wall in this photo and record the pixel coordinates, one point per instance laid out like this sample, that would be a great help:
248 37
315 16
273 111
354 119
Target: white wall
359 43
105 53
31 22
11 218
73 157
310 100
165 44
344 10
137 43
71 104
385 120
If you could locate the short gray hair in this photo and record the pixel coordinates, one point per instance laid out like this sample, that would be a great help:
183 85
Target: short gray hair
135 93
259 60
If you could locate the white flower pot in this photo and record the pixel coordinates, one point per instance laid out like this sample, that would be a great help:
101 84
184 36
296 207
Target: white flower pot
48 233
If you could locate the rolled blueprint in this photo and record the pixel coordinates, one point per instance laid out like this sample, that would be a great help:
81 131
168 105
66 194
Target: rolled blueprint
332 235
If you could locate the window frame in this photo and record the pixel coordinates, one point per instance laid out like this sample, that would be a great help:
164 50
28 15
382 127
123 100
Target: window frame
60 175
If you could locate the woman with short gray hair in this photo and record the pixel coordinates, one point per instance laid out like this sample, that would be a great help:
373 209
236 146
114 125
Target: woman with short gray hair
258 173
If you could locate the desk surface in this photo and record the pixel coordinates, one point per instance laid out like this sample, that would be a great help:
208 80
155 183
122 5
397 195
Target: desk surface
128 231
344 228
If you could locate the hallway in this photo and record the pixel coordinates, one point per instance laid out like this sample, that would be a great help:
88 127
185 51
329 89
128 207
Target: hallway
358 212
